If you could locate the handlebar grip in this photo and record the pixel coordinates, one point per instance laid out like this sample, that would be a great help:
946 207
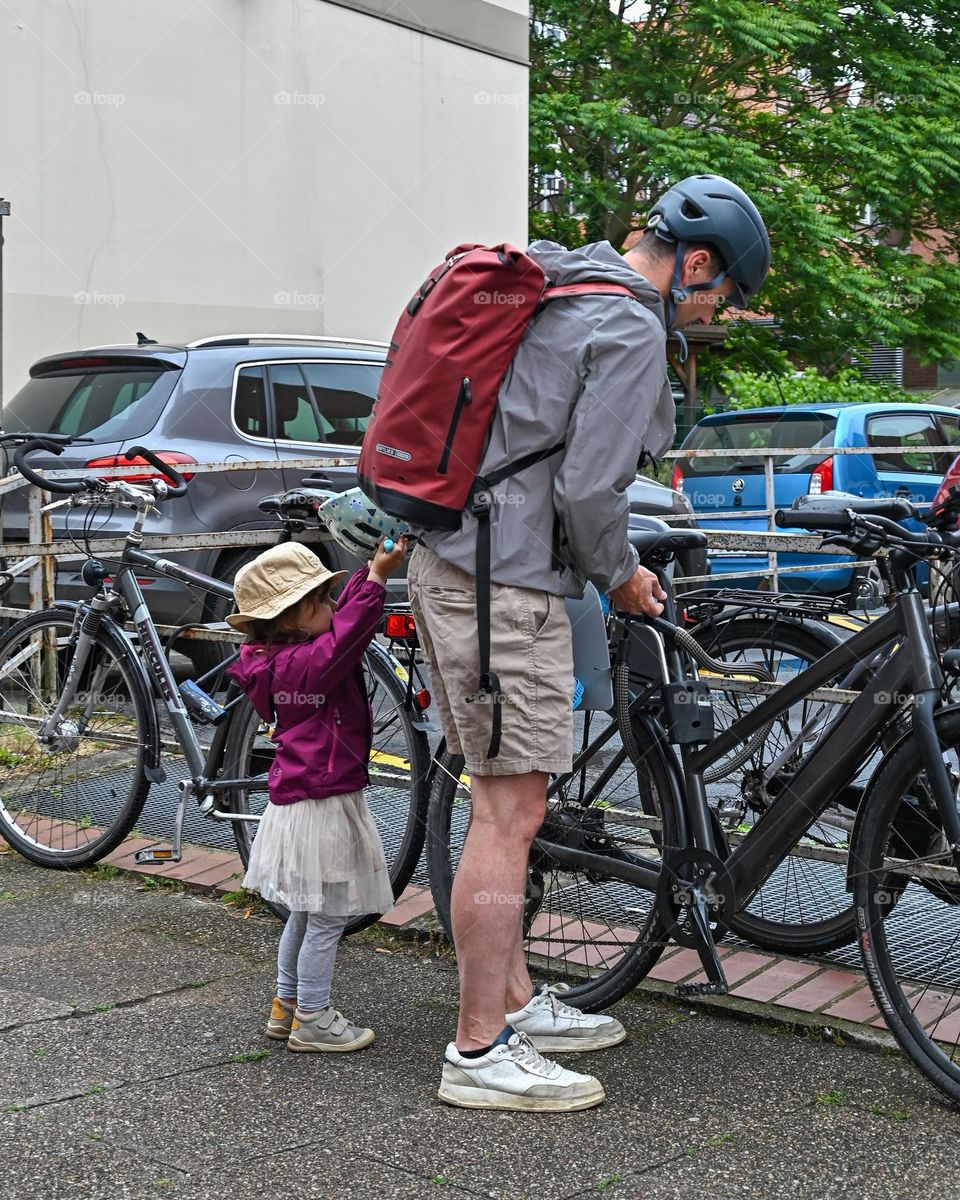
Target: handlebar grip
834 522
172 477
66 486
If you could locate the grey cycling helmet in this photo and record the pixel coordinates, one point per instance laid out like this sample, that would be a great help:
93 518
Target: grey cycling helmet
356 524
711 210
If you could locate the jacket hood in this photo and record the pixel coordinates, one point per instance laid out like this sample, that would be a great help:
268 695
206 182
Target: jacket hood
254 672
594 262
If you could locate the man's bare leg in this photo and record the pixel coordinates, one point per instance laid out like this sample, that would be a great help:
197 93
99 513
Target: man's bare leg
486 905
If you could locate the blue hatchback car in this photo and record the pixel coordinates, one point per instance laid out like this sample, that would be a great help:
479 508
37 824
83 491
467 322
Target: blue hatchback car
727 490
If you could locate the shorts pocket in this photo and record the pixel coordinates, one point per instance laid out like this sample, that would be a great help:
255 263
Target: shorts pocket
541 607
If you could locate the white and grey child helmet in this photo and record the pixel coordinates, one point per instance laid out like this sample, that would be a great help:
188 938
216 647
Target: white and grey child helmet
356 524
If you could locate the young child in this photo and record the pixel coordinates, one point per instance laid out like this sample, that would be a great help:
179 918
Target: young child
317 849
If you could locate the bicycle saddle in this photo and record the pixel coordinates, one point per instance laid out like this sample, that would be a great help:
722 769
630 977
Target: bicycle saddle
648 542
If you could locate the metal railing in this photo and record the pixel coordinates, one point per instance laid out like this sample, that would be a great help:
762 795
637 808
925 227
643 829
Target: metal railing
37 556
774 542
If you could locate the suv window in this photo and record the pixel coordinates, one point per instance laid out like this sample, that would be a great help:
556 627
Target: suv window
108 402
250 402
295 418
909 431
771 431
950 428
344 394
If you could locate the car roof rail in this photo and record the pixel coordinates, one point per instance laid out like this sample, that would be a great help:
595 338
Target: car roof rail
257 339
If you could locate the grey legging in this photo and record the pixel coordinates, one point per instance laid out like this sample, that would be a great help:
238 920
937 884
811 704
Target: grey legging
308 950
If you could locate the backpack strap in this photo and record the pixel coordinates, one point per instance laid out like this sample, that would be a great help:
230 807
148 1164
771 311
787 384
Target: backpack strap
480 505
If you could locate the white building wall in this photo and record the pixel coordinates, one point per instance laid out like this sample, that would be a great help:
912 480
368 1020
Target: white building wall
296 166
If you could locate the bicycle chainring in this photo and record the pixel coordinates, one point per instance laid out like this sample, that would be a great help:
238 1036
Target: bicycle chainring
690 875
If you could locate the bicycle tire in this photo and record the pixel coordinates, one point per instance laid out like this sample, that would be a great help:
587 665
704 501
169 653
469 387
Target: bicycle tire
73 803
576 957
400 755
764 922
890 906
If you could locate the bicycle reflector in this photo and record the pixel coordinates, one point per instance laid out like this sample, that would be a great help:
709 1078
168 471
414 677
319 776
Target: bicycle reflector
400 626
174 457
422 699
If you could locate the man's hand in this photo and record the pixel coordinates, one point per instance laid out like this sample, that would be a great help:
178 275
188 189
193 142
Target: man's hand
641 593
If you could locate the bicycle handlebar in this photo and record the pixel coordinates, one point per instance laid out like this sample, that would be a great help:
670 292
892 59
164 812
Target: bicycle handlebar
835 522
176 484
66 486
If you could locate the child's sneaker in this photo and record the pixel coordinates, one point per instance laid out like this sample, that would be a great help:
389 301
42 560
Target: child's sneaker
514 1075
281 1018
326 1030
552 1025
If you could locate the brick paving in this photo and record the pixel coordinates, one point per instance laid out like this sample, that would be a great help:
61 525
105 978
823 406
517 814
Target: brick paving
797 990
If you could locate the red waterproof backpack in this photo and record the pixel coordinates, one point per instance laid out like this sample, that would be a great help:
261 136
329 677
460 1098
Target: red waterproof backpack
438 393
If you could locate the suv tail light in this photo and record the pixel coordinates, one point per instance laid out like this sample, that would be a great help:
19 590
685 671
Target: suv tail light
951 479
822 478
677 481
174 457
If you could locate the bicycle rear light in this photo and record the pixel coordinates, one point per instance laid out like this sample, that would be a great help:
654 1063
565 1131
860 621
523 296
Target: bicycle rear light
400 626
174 457
422 699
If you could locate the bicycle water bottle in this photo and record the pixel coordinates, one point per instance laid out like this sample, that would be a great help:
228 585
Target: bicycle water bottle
577 693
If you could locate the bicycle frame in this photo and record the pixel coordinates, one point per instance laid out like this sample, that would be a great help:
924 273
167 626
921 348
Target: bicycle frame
912 670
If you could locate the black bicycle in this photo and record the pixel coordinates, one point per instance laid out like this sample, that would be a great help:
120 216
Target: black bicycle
610 884
91 716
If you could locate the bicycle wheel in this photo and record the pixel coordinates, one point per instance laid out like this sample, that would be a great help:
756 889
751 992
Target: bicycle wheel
907 897
67 803
396 793
804 907
599 935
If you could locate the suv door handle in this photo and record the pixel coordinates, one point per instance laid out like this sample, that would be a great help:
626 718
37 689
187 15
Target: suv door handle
318 480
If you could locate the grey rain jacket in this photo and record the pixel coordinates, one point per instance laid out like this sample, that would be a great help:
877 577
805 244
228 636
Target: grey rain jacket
591 372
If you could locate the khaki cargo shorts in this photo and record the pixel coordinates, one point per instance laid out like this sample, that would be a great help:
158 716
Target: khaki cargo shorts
530 650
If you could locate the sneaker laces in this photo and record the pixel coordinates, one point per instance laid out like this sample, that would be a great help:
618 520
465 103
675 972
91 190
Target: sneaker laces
527 1055
552 993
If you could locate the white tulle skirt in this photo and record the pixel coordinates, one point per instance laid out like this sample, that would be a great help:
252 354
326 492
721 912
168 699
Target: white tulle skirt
321 856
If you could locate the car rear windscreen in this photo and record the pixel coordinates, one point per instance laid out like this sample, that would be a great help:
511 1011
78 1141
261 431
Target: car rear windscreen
105 403
766 432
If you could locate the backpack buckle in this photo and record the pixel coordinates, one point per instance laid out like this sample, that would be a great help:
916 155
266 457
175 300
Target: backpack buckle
481 502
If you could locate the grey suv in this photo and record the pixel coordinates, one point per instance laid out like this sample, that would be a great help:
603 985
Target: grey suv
222 399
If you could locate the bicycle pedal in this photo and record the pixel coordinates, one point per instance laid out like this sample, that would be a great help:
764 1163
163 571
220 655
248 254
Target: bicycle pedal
149 857
711 987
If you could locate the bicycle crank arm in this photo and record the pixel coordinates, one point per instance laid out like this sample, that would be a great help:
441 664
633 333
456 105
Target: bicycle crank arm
716 981
606 867
175 852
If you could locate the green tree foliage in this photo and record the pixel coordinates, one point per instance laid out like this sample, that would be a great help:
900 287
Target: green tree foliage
757 389
841 119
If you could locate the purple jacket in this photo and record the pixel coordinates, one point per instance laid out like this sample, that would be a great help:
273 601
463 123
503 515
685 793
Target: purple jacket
314 694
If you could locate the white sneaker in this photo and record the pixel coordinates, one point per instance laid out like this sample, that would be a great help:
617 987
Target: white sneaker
552 1025
514 1075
